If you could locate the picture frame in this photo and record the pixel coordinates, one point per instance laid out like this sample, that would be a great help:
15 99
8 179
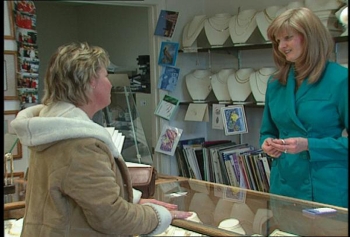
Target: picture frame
166 23
168 78
10 80
234 120
8 117
168 53
168 140
9 30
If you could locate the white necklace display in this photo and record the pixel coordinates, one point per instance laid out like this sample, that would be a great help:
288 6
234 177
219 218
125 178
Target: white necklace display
238 85
216 28
290 5
198 84
242 25
192 30
219 85
264 19
320 5
232 224
258 83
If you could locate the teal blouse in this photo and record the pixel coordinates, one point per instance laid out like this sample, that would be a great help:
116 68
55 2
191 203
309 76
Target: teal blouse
318 112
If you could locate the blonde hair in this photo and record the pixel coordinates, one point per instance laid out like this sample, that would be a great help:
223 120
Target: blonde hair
317 48
70 70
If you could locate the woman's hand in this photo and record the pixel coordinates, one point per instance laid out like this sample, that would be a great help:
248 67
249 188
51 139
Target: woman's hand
180 214
169 206
269 148
291 145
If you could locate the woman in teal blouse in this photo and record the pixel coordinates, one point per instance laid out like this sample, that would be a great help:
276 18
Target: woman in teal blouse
306 112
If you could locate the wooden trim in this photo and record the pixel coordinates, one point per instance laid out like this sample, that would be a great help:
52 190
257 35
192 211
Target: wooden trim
14 205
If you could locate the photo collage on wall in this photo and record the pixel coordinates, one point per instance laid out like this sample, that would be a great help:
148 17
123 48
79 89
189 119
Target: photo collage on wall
168 50
24 13
169 74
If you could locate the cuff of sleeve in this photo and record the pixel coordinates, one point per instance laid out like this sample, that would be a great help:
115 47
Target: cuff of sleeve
137 196
164 218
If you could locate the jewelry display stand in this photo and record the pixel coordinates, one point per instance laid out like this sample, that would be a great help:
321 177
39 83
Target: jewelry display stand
342 15
217 29
294 4
320 5
198 84
258 83
264 19
330 21
242 25
232 224
220 87
238 85
192 30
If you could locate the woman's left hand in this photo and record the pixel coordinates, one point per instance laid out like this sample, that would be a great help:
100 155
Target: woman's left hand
169 206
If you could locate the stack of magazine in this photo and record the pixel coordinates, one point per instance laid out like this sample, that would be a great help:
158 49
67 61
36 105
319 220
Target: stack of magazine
117 137
224 162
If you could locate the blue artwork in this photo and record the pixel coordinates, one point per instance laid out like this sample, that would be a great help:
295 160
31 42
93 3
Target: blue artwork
166 23
168 53
168 78
235 122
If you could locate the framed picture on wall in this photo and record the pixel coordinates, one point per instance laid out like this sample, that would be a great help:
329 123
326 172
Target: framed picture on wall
166 23
9 31
234 120
10 82
8 131
168 53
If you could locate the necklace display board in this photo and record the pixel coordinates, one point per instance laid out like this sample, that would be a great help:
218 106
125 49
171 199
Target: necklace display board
330 21
198 84
319 5
220 87
239 86
192 30
342 15
294 4
264 19
258 83
242 25
217 28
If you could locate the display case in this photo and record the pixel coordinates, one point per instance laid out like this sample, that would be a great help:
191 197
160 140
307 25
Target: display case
250 212
123 116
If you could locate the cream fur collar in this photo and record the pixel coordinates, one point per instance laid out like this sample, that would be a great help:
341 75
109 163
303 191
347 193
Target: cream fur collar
40 124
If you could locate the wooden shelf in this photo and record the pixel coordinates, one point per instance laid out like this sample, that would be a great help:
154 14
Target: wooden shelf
243 46
250 105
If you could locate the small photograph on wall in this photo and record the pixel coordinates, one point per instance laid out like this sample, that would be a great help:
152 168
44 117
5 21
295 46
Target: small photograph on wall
26 36
27 80
168 78
25 17
28 97
27 7
168 53
166 23
30 52
168 140
234 120
29 66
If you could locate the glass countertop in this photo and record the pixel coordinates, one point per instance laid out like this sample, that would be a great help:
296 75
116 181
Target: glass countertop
246 212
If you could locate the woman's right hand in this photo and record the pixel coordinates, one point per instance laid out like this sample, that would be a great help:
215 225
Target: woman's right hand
180 214
269 149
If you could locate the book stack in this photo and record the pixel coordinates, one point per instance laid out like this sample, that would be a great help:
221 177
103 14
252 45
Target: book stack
224 162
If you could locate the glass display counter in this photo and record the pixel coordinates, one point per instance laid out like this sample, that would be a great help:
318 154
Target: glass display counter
123 115
246 212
